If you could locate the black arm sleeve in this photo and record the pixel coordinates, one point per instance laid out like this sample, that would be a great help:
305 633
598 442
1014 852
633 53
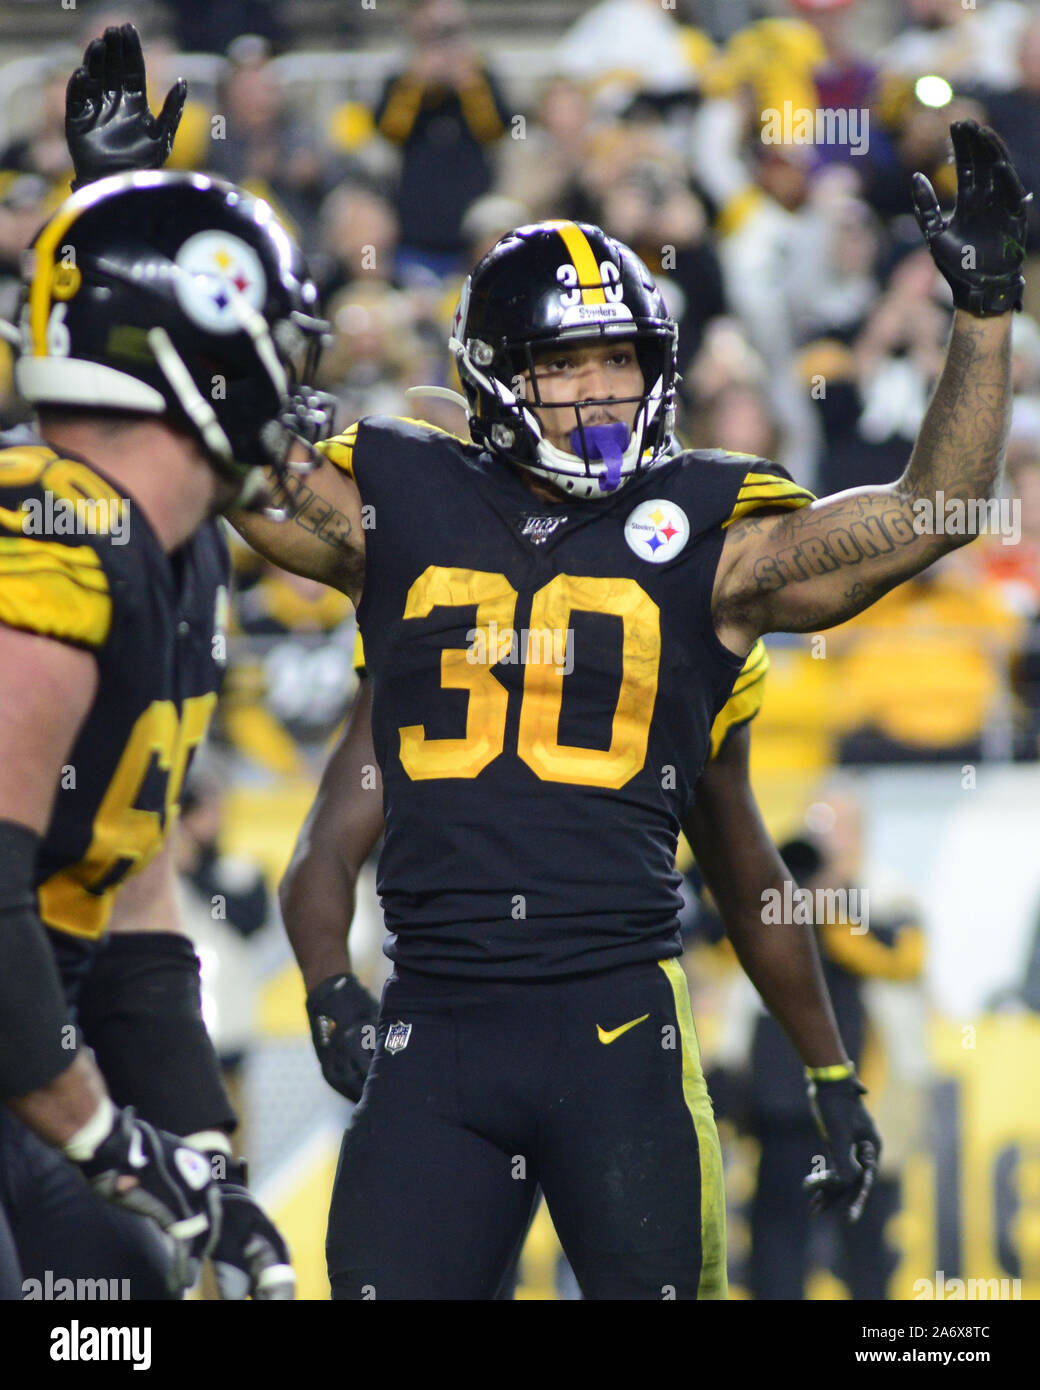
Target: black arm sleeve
37 1038
140 1010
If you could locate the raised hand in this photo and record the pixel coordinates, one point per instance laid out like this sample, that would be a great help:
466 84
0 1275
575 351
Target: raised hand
108 125
979 248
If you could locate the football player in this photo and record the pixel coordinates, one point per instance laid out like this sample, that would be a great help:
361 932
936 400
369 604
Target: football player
533 792
554 613
165 318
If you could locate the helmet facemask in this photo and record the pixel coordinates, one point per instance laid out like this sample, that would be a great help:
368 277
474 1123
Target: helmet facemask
294 413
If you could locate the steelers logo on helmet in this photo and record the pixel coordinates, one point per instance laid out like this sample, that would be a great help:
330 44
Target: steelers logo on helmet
657 530
219 271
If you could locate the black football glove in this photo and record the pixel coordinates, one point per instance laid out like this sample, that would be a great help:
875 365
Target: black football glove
343 1016
250 1258
979 248
853 1140
108 126
174 1186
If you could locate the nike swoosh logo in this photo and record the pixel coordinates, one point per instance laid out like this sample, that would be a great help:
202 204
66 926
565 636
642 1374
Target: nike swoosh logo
615 1033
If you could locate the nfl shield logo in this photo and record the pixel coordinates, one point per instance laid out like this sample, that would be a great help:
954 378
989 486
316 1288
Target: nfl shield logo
397 1036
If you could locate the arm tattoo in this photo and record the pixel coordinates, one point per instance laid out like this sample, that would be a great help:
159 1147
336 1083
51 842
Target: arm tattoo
960 446
886 534
323 521
848 540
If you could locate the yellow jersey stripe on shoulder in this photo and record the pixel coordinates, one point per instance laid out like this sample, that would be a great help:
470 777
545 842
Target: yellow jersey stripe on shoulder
339 450
434 429
764 490
359 654
54 591
746 698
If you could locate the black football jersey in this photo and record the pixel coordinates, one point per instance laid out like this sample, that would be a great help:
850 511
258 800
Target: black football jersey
545 677
155 624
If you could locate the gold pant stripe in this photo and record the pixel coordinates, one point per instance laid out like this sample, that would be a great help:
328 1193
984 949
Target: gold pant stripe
712 1283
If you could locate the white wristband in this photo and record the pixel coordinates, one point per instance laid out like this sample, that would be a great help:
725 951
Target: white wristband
85 1143
210 1141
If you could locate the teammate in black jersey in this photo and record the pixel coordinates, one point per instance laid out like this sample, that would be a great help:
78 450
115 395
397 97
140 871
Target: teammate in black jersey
142 289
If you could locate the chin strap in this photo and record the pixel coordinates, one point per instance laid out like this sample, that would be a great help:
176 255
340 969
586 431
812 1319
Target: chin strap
436 393
606 442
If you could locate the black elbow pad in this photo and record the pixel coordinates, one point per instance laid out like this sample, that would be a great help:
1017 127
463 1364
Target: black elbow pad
140 1010
37 1038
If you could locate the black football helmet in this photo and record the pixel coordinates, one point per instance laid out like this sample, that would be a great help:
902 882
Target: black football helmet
179 295
549 283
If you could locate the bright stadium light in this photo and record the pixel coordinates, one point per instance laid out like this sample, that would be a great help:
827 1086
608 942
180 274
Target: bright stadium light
933 91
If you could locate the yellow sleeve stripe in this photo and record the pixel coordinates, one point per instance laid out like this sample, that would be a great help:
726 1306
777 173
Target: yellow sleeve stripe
83 563
754 482
738 709
761 490
754 668
746 698
359 654
340 450
55 591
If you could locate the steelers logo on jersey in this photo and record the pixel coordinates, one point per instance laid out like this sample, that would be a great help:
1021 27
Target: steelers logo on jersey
657 530
219 272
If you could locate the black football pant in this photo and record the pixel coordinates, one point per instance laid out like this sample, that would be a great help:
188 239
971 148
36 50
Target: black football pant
591 1087
53 1228
781 1226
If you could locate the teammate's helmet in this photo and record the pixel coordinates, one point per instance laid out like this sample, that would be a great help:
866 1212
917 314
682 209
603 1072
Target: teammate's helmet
545 284
177 295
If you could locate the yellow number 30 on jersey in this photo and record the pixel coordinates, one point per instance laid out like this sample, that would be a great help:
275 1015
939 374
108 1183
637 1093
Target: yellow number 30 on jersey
537 739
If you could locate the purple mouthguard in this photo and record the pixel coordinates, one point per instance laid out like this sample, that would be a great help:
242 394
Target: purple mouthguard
607 442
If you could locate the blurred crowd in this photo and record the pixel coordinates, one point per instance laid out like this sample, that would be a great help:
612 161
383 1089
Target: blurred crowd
812 321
